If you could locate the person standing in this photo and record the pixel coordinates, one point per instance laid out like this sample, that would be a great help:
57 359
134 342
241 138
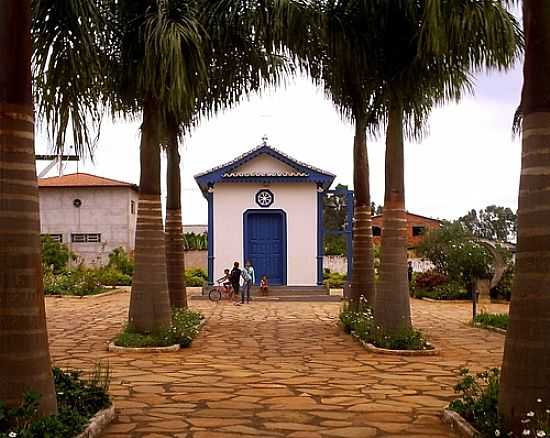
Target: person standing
235 278
410 271
247 282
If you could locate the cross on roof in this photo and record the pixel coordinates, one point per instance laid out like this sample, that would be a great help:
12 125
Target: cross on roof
264 139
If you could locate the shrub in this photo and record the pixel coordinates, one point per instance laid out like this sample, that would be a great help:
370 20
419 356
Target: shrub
478 404
55 255
361 322
195 277
112 277
449 291
78 282
429 280
185 326
504 288
334 279
119 260
78 400
498 320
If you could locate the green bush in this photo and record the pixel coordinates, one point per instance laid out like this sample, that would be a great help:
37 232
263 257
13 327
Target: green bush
77 282
78 400
185 326
449 291
120 261
498 320
55 255
504 288
334 279
112 277
361 322
195 277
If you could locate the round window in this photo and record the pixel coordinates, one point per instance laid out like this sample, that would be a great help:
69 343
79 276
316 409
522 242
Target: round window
77 203
264 198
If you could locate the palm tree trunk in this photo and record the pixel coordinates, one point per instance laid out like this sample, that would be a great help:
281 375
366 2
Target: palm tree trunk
24 356
526 363
149 300
362 282
175 256
392 310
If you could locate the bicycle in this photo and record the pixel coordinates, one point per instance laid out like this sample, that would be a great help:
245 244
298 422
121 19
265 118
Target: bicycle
221 292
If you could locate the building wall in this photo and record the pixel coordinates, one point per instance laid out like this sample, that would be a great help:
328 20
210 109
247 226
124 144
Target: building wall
264 164
196 259
297 200
104 210
412 221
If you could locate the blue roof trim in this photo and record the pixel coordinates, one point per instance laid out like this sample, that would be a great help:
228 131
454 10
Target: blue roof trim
210 178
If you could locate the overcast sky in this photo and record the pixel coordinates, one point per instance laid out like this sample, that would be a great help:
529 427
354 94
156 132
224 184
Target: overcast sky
468 160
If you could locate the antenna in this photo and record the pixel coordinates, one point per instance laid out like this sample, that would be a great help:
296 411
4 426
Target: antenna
56 160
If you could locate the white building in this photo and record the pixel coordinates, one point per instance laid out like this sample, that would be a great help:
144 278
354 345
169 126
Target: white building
92 215
266 207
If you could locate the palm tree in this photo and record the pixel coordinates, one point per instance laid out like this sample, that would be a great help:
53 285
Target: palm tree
526 363
426 63
239 63
333 47
25 363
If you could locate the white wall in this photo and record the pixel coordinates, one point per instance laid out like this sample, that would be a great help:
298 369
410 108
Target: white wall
297 200
264 164
104 210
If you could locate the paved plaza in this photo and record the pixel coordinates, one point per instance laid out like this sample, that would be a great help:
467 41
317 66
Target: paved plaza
273 370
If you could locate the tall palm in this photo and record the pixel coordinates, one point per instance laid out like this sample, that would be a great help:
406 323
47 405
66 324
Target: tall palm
239 63
161 54
331 40
427 63
526 363
24 356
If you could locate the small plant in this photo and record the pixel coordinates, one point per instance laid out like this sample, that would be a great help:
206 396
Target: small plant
429 280
78 400
478 404
112 277
120 261
79 282
195 277
55 255
185 327
334 279
498 320
359 320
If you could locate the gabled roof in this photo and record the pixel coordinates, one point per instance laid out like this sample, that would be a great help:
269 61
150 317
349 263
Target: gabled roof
83 180
226 172
411 214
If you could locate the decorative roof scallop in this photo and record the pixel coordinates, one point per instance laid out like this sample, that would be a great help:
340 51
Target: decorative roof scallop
301 172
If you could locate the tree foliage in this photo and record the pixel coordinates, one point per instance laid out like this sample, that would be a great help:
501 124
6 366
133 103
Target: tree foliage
456 254
55 255
492 223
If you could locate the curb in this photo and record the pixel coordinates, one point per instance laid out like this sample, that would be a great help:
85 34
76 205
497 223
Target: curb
458 424
98 423
118 349
85 297
488 327
373 349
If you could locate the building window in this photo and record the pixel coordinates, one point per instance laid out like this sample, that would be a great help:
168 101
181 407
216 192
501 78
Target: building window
418 230
376 231
86 237
55 237
132 207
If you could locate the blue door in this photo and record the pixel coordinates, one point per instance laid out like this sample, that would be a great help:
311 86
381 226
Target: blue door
265 244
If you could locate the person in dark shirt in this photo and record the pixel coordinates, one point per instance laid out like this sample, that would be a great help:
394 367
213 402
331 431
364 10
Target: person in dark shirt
235 278
410 271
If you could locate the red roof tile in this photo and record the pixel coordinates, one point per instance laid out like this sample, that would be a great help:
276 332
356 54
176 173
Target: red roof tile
82 180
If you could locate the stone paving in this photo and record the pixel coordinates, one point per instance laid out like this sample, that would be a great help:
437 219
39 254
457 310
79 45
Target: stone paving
273 370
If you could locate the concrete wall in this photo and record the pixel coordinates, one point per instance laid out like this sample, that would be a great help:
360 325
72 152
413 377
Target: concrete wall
104 210
264 164
297 200
196 259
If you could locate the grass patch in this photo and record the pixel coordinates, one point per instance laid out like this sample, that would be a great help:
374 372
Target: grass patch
78 400
496 320
185 327
478 404
361 322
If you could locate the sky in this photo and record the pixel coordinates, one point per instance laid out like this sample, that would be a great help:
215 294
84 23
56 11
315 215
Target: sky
469 158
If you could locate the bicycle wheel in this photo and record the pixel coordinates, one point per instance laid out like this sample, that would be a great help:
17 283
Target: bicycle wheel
215 295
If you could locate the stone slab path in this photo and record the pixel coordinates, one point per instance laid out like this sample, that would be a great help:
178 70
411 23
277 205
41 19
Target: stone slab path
273 370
